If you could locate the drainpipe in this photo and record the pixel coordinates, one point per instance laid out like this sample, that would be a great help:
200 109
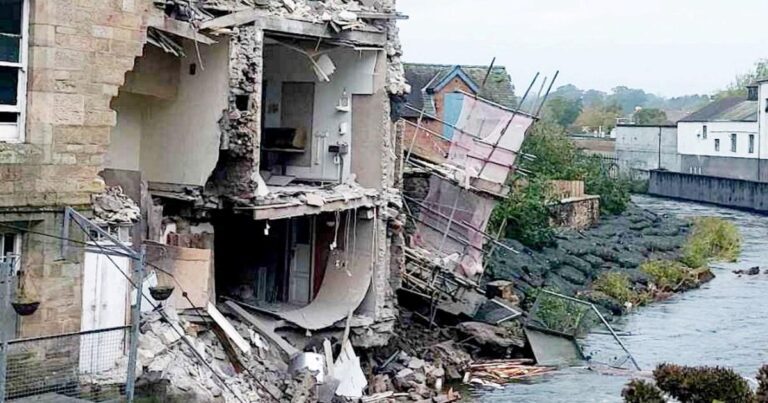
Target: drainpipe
658 166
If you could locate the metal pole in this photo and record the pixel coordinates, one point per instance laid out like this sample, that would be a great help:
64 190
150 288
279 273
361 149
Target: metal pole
5 296
616 337
415 134
546 95
138 274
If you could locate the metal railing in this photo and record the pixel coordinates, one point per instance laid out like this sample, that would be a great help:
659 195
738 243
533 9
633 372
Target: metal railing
90 366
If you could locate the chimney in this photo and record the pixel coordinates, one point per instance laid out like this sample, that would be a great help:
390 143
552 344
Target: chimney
752 92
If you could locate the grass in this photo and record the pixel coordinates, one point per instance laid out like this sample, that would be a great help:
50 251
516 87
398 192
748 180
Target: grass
711 239
666 274
617 286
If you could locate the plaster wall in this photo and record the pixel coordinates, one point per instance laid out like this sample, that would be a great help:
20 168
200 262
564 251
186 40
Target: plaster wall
177 139
642 148
354 74
691 141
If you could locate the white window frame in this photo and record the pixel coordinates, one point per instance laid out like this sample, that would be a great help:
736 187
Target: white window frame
16 248
14 132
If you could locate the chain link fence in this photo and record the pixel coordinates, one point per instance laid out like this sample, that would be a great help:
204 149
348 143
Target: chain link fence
89 366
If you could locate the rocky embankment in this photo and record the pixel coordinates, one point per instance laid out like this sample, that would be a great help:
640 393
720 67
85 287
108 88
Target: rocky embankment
620 243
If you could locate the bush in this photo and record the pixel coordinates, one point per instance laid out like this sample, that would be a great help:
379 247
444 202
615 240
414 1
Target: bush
638 391
702 384
617 286
762 385
526 214
526 211
711 238
666 274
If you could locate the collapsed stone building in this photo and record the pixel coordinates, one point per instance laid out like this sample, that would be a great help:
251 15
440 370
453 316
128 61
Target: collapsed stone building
249 146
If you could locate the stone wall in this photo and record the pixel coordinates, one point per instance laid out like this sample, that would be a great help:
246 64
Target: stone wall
79 52
735 193
576 212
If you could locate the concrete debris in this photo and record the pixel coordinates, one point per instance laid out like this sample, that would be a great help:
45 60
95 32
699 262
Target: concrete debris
114 207
171 371
490 336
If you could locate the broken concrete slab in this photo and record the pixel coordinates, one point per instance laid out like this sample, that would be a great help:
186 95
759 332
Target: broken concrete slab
265 331
228 329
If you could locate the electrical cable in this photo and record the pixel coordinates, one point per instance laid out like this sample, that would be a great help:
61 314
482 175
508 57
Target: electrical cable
139 290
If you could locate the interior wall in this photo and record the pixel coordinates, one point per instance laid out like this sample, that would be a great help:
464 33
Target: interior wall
168 122
124 150
354 74
370 124
180 139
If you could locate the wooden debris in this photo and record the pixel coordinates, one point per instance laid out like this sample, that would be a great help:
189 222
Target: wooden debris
497 372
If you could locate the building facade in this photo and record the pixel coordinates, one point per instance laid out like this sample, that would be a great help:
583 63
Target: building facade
721 139
641 148
257 144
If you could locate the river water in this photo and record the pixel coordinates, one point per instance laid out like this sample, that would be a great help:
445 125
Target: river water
723 323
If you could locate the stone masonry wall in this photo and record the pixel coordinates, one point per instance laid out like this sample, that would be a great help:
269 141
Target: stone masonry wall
79 52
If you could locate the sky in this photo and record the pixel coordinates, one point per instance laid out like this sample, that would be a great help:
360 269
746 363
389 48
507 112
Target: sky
667 47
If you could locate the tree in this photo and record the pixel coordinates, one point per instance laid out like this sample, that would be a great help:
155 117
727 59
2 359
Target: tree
738 88
628 98
649 116
599 118
593 98
562 111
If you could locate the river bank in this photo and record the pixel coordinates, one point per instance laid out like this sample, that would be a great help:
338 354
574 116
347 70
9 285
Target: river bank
720 323
618 244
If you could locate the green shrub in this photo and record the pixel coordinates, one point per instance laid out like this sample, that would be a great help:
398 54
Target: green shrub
638 391
702 384
617 286
526 214
711 238
666 274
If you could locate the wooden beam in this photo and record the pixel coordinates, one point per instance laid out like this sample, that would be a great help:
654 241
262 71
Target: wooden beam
262 20
263 329
182 29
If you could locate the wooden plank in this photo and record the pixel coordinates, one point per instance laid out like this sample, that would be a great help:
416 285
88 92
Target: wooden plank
262 328
228 349
228 329
182 29
327 350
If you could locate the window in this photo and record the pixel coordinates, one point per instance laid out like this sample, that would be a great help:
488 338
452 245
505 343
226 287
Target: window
704 132
10 248
717 144
733 142
13 61
751 143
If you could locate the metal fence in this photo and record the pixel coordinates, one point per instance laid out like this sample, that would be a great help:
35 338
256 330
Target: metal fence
89 366
580 321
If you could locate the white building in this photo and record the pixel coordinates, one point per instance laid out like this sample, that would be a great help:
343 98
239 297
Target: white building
723 139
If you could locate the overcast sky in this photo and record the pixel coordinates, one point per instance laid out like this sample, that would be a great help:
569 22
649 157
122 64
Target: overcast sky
668 47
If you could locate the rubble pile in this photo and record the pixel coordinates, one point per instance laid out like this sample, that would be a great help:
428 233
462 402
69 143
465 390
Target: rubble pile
170 370
114 207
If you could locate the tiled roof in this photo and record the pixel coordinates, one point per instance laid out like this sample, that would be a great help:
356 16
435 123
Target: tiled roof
498 87
731 109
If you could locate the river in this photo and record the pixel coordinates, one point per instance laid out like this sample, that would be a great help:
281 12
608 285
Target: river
723 323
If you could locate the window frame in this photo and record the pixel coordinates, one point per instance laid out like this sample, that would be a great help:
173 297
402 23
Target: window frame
17 240
20 107
751 147
734 142
717 145
704 130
